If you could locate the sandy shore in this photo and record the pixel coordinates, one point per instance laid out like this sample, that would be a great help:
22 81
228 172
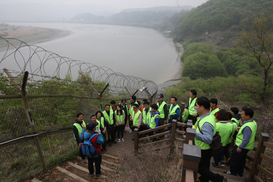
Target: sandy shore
30 35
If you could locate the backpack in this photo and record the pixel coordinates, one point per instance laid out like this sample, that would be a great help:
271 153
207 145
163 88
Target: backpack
100 139
88 148
216 144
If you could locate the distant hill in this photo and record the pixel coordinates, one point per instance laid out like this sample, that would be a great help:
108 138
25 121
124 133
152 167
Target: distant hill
87 18
220 19
160 18
46 12
160 8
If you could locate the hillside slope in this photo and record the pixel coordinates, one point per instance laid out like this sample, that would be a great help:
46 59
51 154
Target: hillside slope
220 21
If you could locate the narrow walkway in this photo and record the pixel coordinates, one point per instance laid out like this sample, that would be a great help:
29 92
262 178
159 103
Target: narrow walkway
121 148
127 147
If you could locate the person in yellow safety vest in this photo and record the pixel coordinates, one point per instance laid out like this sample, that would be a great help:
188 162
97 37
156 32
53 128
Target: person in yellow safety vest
235 115
225 130
100 120
191 107
203 138
93 118
153 121
136 117
142 107
133 101
244 142
214 108
120 120
231 137
146 116
78 125
126 111
114 107
163 110
109 119
174 111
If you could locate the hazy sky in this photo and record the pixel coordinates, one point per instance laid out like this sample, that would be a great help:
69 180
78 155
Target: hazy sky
119 4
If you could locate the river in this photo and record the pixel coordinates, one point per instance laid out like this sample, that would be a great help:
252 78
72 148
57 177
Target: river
136 51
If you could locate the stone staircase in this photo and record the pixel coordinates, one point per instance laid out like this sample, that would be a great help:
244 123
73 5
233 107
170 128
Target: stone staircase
78 171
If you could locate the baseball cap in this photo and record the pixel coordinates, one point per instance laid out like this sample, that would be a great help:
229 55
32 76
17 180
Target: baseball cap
91 125
160 96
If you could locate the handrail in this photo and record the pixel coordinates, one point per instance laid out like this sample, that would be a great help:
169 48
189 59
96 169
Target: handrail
256 163
32 136
154 136
156 128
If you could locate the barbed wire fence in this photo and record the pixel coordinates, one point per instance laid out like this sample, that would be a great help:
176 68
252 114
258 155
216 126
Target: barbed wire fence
56 89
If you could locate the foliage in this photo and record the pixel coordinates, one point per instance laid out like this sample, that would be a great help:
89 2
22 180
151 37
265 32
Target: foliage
48 113
258 42
203 65
200 61
219 15
240 89
20 161
159 19
237 63
198 47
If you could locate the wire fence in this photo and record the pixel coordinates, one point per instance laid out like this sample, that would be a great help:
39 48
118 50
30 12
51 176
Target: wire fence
49 75
56 88
18 57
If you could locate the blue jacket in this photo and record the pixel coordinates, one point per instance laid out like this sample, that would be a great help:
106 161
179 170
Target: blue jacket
86 135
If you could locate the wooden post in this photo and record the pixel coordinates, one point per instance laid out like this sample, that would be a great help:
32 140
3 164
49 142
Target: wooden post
174 122
136 140
257 158
190 135
100 95
189 124
182 106
135 92
94 89
191 157
129 93
149 95
29 115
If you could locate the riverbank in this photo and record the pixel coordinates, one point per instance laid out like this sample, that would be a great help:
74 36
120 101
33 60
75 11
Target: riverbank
31 35
105 45
176 71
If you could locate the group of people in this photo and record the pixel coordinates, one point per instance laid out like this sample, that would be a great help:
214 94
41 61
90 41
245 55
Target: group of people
206 117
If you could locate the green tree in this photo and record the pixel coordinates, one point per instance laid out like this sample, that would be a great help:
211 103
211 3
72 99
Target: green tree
203 65
258 43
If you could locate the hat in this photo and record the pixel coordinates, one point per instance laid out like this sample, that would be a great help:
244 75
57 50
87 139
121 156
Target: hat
91 125
160 96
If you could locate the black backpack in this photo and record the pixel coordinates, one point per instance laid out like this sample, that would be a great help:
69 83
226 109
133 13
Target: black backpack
216 144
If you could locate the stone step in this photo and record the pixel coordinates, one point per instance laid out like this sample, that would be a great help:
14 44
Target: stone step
35 180
74 176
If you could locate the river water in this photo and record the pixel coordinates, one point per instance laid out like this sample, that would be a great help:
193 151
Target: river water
140 52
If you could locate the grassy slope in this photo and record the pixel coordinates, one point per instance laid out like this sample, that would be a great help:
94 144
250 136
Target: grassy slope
219 22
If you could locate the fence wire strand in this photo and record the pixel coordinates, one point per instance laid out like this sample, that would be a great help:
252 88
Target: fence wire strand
19 57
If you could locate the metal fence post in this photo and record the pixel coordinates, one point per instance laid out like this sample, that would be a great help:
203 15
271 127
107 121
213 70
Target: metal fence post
29 115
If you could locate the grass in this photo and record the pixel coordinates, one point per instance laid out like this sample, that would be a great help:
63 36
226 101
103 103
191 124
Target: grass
21 161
